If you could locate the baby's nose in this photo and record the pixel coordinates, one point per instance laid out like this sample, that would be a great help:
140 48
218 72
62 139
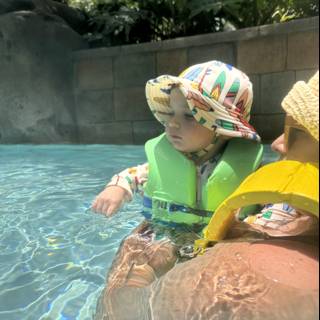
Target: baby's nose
174 124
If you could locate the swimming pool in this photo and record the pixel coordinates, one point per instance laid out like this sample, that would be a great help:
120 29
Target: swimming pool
54 252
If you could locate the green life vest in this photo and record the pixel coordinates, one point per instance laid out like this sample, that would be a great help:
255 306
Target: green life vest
170 194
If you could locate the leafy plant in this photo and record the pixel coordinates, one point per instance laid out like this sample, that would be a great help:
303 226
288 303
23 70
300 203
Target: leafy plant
114 22
259 12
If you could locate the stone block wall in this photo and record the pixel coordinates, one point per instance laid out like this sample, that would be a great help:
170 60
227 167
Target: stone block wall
109 82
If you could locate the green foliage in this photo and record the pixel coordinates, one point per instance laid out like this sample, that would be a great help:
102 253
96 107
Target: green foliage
259 12
130 21
296 9
114 22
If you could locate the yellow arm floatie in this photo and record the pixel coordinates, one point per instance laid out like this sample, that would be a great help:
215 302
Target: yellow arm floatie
291 182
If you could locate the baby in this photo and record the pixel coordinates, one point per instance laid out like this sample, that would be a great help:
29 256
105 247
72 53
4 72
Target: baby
207 149
201 110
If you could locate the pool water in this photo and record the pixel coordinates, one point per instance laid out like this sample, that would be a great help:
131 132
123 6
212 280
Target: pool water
55 252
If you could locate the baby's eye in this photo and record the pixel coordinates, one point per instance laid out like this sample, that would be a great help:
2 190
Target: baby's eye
165 113
168 114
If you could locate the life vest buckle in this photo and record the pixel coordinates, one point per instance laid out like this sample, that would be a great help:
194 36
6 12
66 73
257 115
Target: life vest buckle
187 252
201 245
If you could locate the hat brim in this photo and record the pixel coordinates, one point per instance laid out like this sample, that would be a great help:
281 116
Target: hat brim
225 121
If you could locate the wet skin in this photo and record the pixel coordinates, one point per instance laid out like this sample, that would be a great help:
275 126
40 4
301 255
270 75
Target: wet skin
274 279
238 279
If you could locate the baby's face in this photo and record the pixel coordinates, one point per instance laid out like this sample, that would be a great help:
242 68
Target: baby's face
182 130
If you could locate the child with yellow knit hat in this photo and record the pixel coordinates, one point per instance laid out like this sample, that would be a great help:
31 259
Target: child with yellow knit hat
300 142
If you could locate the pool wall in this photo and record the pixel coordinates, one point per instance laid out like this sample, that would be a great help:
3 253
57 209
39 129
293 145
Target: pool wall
109 82
107 87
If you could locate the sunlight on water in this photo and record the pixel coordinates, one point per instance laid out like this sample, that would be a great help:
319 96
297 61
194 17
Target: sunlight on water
54 252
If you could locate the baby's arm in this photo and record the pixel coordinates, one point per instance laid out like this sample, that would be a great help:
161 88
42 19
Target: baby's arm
121 189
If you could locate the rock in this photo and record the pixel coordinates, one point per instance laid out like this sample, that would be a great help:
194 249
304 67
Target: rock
36 83
16 5
72 17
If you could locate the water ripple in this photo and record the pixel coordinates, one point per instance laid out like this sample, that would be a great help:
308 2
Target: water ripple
54 252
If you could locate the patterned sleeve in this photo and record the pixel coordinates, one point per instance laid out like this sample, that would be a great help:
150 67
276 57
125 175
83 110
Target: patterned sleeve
280 219
131 179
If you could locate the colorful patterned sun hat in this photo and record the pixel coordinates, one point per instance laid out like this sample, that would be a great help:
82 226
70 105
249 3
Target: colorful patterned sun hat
218 95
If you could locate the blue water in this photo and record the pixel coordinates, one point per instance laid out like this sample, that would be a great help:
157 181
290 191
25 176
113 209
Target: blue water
55 252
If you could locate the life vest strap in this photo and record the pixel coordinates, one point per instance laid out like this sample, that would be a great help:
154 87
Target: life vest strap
173 207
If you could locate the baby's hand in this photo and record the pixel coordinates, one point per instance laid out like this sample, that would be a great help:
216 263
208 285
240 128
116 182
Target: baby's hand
109 200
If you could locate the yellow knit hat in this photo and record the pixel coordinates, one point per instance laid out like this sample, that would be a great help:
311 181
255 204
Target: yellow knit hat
302 103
